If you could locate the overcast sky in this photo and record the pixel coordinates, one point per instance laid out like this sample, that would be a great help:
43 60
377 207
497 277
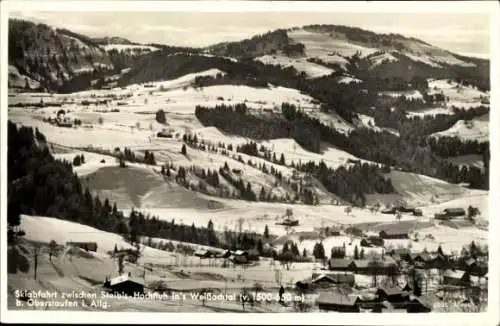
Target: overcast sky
458 32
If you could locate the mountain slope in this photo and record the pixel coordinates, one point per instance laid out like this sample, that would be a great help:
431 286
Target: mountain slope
51 56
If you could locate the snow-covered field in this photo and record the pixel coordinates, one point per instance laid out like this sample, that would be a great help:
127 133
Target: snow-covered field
131 47
430 111
134 126
475 129
45 229
410 95
312 70
17 80
369 122
456 93
319 45
382 58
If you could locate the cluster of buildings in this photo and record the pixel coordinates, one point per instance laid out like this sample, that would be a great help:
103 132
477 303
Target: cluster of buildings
337 286
381 299
235 257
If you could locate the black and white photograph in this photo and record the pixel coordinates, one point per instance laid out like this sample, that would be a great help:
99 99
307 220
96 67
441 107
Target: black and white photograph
268 161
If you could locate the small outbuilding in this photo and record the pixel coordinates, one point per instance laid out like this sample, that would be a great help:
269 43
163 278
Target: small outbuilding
334 301
126 284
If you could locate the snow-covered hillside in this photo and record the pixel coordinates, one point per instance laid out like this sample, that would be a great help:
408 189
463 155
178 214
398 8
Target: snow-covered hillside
312 70
458 95
319 44
129 47
366 121
475 129
17 80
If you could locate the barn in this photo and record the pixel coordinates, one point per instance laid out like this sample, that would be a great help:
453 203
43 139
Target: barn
238 257
323 280
454 212
456 277
394 233
340 264
126 284
334 301
204 253
425 303
395 295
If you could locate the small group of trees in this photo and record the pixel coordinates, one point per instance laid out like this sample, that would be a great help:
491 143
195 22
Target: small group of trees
78 160
129 155
160 116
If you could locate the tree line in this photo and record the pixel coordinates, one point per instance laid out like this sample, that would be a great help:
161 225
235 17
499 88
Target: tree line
408 152
38 184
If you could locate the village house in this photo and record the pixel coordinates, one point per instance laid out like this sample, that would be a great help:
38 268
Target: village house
238 257
366 266
335 301
395 233
395 295
449 213
372 241
205 253
125 284
326 280
456 278
424 303
341 264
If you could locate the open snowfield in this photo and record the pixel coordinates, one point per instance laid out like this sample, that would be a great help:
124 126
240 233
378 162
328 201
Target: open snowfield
318 45
334 58
475 129
45 229
380 59
186 80
18 80
312 70
430 111
456 93
410 95
369 122
142 186
420 190
116 131
131 47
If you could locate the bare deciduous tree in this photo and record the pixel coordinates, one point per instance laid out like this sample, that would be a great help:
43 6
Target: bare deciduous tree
36 253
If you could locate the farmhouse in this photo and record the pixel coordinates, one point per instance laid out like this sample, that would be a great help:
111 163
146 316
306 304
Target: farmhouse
395 232
424 303
334 301
456 278
326 280
238 257
449 213
164 134
126 284
417 212
341 264
88 246
204 253
372 241
383 266
395 295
